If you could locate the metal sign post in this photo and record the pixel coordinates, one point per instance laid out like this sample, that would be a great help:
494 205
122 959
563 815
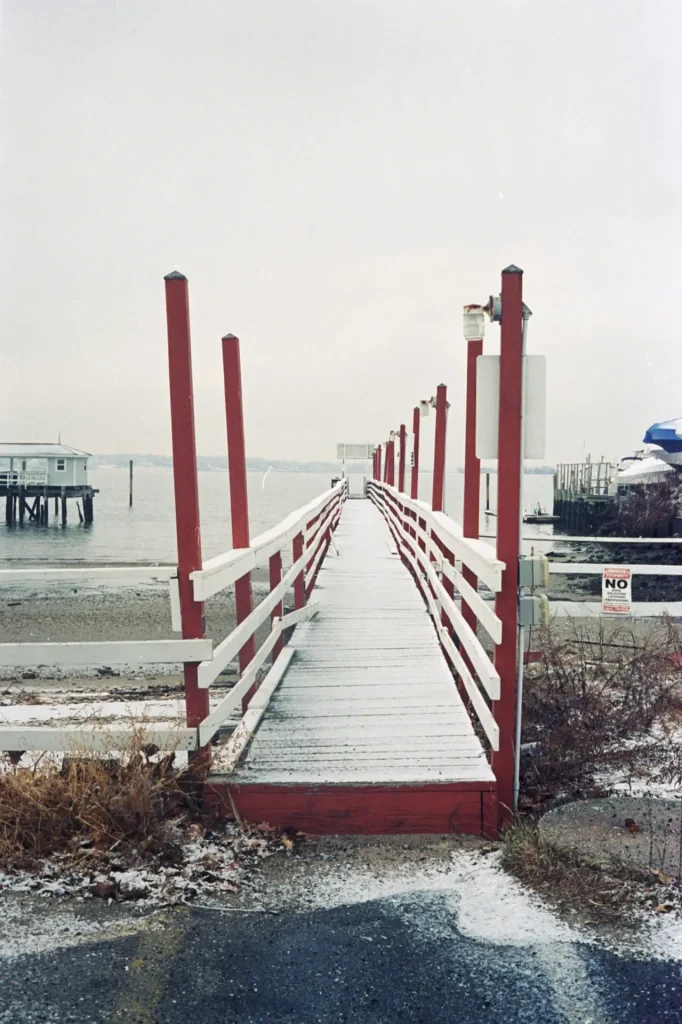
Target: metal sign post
362 453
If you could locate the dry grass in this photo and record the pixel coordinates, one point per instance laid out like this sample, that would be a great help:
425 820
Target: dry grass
566 881
90 802
598 702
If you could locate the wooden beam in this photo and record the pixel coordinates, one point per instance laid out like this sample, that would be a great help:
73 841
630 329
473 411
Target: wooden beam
358 810
114 652
104 739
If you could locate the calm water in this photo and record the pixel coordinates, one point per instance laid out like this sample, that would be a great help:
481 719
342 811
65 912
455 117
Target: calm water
146 533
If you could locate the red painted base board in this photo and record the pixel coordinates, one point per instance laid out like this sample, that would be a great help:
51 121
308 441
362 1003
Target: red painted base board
361 810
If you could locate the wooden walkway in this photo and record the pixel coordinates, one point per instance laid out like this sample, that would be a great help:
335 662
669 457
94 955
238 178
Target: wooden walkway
367 731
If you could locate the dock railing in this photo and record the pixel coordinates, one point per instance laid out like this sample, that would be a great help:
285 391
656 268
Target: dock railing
585 480
68 655
23 477
306 533
433 546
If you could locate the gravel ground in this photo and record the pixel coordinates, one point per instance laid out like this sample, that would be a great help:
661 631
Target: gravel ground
125 614
596 831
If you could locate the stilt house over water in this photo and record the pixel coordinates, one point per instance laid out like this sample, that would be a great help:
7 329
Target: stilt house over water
32 473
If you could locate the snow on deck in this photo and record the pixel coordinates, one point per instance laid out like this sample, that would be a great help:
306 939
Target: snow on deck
368 697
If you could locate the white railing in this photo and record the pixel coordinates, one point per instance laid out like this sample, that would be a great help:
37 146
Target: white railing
590 609
93 654
23 478
434 547
307 532
574 608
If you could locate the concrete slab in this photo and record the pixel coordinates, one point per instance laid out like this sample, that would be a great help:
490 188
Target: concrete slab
596 830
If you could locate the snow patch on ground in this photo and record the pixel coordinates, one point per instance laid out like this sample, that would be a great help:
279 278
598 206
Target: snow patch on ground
471 893
23 931
487 902
662 937
93 712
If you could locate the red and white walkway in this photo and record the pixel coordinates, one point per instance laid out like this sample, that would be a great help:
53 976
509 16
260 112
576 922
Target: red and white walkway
366 732
356 723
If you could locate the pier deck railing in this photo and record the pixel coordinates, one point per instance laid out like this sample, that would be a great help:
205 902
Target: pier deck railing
23 477
306 533
585 480
433 546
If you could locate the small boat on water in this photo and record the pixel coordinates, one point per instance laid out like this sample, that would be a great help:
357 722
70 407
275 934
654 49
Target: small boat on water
539 515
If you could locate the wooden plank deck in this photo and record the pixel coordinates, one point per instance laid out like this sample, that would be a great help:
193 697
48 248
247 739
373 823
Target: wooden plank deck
367 731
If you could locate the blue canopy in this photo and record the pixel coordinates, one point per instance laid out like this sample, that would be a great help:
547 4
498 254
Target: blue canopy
667 435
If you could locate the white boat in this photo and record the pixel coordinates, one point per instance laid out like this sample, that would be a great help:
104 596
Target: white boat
642 468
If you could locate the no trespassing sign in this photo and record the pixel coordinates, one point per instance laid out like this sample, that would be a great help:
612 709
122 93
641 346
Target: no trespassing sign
616 590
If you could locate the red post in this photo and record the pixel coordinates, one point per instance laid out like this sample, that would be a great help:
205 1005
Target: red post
472 468
299 582
236 461
390 463
378 462
401 457
277 612
186 488
509 456
439 449
414 480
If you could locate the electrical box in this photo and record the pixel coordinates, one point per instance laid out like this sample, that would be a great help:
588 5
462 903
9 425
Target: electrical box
534 571
534 611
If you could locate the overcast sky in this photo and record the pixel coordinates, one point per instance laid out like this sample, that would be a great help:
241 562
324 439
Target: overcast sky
336 178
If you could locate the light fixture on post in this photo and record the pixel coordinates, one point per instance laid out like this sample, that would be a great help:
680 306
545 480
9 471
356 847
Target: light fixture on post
493 308
424 406
473 322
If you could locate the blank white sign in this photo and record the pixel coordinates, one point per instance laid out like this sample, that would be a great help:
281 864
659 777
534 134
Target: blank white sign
488 406
354 451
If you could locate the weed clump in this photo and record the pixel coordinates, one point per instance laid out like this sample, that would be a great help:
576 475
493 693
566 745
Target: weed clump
599 702
90 802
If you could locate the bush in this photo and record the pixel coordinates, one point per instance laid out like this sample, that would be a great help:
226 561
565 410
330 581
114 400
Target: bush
89 802
592 703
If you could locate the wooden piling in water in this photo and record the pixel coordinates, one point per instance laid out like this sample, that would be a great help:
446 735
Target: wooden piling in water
130 489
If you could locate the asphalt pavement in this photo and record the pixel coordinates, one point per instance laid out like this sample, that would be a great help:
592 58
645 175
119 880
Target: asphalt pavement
431 946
